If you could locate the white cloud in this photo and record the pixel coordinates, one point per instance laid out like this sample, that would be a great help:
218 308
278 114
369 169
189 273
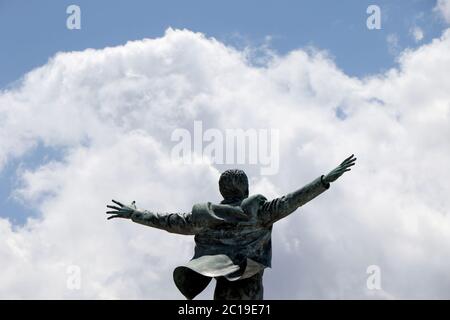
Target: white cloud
443 8
417 34
393 45
113 111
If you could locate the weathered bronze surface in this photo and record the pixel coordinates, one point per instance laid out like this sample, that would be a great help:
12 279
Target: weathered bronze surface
233 238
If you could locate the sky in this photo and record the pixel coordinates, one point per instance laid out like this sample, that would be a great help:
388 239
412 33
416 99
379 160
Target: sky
87 115
32 31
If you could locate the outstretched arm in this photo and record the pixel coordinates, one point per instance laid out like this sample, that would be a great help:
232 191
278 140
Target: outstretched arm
180 223
202 216
272 211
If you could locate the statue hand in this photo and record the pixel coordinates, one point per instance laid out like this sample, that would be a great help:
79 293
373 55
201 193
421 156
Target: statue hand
122 211
340 169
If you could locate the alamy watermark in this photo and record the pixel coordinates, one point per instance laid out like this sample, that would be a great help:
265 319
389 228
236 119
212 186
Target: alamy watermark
73 281
374 19
73 21
374 279
230 146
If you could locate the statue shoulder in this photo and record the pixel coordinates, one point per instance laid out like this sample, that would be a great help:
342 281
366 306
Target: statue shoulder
256 198
253 202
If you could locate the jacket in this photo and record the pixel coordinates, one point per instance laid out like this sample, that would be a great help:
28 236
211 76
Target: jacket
232 241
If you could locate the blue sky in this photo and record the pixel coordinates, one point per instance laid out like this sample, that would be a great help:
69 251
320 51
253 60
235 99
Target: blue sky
33 31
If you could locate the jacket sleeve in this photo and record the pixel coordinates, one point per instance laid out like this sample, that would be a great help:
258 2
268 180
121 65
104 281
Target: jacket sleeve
203 215
276 209
180 223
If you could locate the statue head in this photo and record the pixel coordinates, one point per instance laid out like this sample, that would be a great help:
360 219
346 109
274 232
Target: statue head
233 185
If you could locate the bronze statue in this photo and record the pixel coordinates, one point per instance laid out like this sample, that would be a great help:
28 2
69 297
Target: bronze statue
233 238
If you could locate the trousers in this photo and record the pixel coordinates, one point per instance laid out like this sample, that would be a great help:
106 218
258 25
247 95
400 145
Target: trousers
245 289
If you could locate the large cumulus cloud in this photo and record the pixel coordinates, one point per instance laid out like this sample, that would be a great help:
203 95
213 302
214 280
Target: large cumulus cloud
112 112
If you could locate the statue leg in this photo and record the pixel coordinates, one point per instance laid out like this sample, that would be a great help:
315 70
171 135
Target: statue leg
246 289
